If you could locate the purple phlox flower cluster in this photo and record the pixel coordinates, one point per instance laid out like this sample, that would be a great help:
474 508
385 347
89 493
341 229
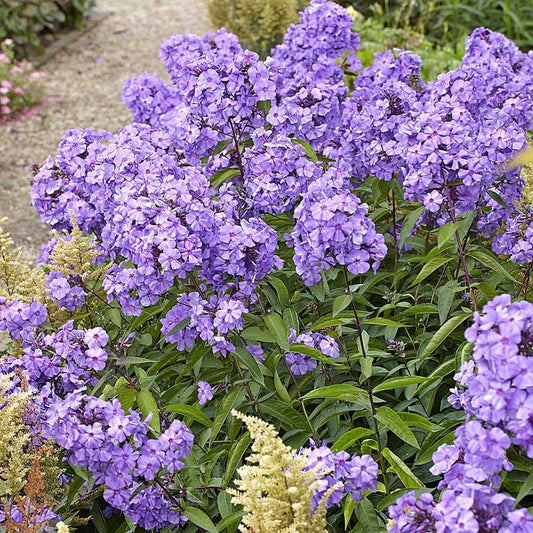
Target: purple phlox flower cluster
309 82
477 455
21 319
469 501
365 142
205 392
66 184
516 240
412 515
148 98
67 292
205 319
332 228
222 86
276 172
500 391
356 474
300 363
464 127
470 509
58 363
164 220
115 448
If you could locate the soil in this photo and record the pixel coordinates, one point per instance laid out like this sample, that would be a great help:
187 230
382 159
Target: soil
86 79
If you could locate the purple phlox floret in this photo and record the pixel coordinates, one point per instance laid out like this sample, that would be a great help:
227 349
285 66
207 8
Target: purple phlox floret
67 292
205 392
256 351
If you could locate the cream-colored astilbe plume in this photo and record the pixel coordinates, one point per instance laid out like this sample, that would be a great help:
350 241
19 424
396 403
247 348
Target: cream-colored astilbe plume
276 490
18 281
62 528
15 460
73 253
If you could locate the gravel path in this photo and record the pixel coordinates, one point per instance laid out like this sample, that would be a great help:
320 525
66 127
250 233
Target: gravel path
87 78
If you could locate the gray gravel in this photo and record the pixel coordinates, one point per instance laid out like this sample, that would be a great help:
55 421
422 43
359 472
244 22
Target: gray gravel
86 94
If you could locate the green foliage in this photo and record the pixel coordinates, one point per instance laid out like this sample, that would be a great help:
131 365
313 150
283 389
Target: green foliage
401 334
25 21
451 20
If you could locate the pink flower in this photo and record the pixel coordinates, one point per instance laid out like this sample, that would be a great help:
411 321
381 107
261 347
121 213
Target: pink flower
6 84
4 100
5 110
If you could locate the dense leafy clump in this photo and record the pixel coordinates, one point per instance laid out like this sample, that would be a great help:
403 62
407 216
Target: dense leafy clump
21 85
304 243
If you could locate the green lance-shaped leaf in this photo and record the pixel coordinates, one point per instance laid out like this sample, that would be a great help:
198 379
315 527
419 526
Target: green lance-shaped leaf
409 223
392 421
190 412
340 303
399 382
278 329
442 334
235 455
351 436
407 477
491 262
344 392
147 405
430 267
200 519
223 411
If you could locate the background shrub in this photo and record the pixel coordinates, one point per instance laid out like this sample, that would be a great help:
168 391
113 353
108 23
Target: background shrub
260 24
25 21
452 20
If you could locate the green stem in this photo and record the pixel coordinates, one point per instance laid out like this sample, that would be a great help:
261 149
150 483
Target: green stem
368 382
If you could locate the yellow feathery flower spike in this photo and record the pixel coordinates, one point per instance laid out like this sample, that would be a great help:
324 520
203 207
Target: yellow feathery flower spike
276 492
73 253
15 460
18 281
